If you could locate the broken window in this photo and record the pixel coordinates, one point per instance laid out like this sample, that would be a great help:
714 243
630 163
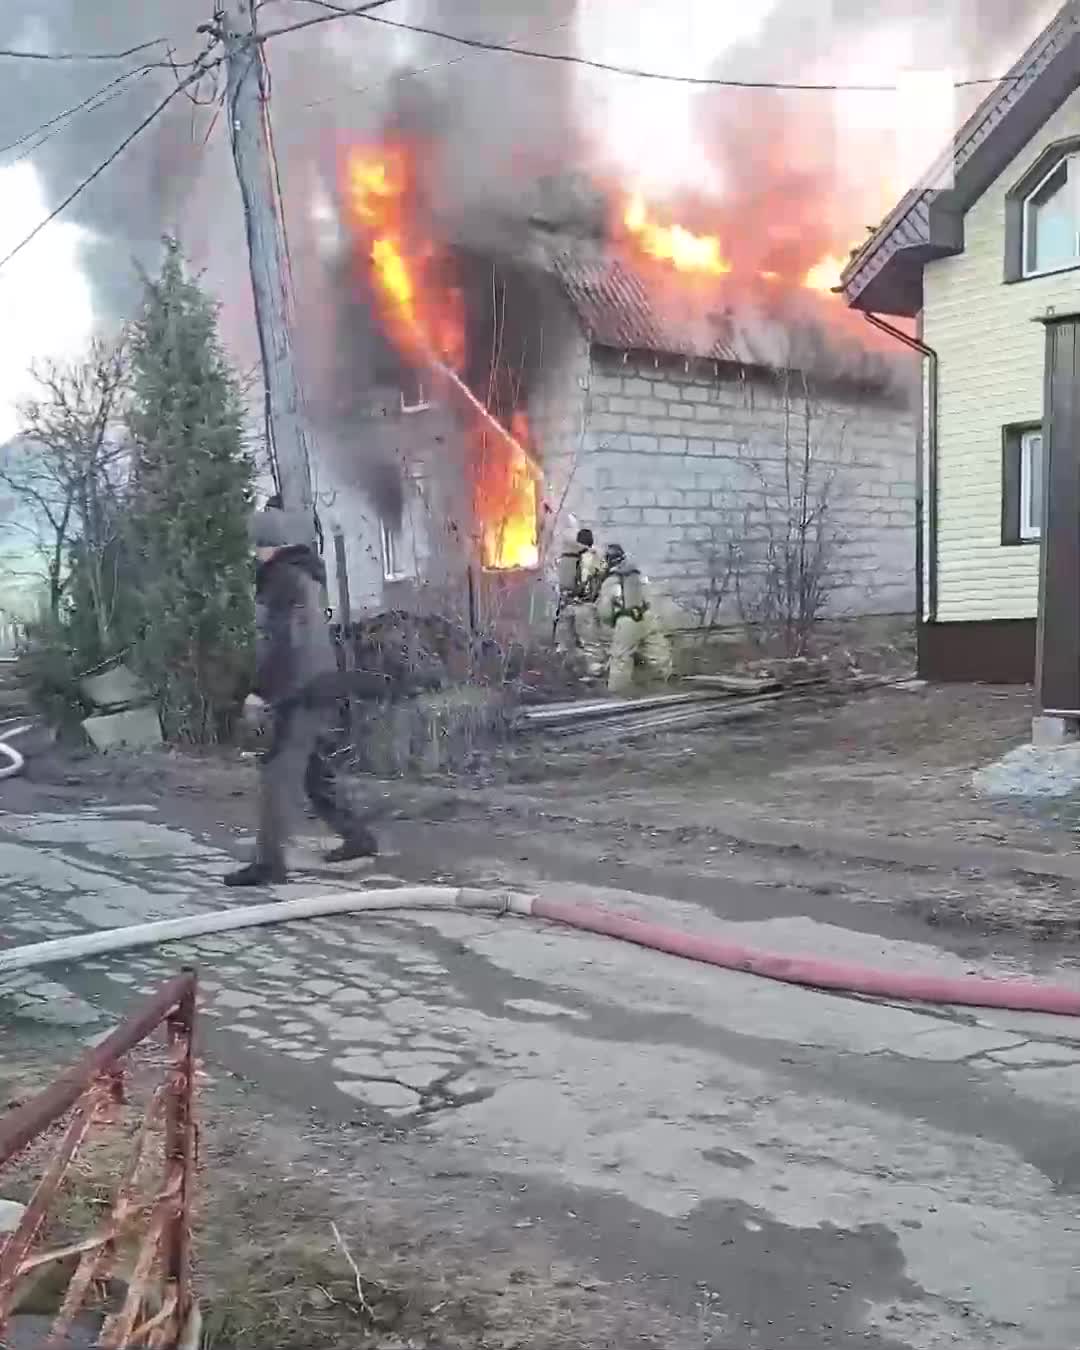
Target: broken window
414 395
395 553
1052 220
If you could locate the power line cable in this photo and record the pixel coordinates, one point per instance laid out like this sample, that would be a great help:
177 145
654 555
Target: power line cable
87 103
16 54
334 12
56 125
566 58
436 65
105 163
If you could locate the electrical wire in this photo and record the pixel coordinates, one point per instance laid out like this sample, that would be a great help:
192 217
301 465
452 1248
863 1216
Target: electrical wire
15 54
98 99
335 12
105 163
436 65
566 58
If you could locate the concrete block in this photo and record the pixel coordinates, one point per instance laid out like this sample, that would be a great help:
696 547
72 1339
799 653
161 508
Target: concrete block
135 729
622 405
637 386
673 445
664 389
695 393
11 1213
652 407
646 444
114 688
680 410
697 445
1050 733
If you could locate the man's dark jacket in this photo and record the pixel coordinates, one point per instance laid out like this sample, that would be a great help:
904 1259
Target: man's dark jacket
295 659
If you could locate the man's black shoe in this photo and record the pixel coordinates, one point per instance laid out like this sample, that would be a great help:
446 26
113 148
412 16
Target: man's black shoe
258 874
362 845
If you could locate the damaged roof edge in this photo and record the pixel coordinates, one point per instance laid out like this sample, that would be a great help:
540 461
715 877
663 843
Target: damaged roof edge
885 275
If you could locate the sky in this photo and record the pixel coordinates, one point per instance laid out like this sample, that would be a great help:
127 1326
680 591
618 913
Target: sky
346 72
44 298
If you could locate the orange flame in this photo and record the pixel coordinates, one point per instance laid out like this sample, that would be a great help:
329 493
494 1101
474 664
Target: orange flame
675 244
425 320
424 315
505 495
825 274
704 254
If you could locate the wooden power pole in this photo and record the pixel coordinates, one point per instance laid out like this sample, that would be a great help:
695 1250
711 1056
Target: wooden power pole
249 131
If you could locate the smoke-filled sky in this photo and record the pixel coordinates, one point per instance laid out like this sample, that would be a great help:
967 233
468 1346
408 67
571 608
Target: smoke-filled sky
503 123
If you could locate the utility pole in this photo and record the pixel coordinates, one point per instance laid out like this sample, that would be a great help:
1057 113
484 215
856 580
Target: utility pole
247 104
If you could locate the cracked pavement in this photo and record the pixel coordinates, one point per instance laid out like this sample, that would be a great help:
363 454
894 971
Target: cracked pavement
772 1166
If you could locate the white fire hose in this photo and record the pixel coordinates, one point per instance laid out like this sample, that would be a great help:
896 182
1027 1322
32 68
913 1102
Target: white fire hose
15 761
109 940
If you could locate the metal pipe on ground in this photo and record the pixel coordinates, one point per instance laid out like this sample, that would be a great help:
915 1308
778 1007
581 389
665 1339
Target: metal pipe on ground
810 972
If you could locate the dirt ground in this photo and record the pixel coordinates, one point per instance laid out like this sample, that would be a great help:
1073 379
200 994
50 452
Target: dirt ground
790 796
273 1186
832 806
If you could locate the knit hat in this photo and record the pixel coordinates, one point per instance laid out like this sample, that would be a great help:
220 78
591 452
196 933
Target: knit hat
282 529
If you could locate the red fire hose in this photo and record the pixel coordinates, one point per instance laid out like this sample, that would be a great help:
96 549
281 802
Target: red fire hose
978 991
813 972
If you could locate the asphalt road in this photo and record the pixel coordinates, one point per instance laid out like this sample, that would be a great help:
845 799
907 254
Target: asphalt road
769 1166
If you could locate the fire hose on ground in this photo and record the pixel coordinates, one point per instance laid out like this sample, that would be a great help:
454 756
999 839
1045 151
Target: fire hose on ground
807 971
11 762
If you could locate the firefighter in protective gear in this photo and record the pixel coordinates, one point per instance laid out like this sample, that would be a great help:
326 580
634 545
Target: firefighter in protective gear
576 624
625 607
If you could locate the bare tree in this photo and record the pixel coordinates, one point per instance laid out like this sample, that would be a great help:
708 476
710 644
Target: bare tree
62 471
779 555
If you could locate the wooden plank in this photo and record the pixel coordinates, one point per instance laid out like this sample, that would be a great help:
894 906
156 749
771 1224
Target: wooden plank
1058 643
736 684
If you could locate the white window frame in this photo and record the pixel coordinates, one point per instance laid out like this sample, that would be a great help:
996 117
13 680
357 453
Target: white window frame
391 542
422 404
1072 163
1029 530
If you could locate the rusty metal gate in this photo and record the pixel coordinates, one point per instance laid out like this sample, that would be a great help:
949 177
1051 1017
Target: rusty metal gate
158 1309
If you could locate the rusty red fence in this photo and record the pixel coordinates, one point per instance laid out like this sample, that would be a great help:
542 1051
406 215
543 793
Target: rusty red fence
158 1308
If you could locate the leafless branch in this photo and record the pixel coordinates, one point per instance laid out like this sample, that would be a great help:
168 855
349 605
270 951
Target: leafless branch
343 1247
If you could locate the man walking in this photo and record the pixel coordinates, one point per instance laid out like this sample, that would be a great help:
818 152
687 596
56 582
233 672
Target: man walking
625 607
576 624
296 688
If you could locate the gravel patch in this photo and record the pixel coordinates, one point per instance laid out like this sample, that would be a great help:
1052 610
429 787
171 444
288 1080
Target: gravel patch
1031 771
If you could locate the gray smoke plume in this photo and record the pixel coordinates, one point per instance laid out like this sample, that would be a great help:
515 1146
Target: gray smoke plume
505 128
128 208
509 139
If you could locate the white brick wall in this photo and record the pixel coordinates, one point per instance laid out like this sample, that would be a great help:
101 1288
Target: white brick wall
675 459
991 374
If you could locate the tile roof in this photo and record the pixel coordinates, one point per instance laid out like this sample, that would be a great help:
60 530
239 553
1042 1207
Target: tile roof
624 309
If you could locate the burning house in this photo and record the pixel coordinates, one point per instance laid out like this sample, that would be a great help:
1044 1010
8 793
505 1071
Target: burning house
604 371
529 324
